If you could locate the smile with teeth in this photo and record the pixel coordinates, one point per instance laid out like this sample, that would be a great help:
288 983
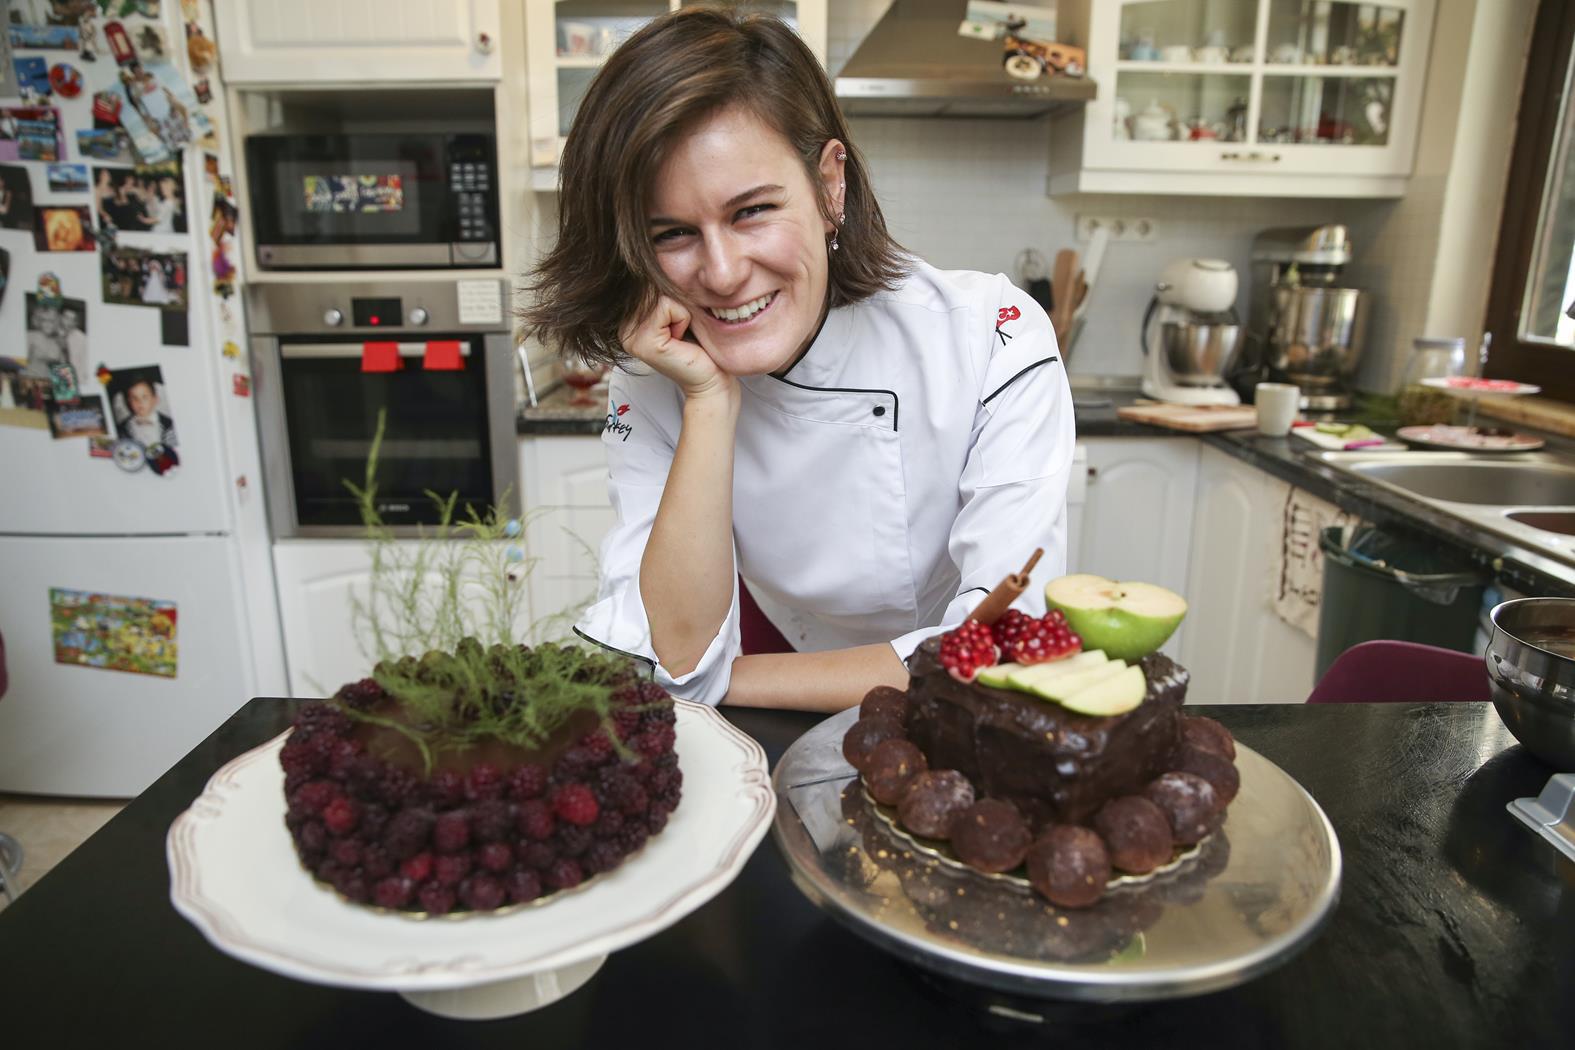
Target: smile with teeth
740 314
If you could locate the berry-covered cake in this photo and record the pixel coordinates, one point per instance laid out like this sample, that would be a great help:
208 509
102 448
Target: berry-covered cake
1024 744
472 780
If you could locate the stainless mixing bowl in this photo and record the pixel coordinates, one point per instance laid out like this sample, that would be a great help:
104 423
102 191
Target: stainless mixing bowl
1534 687
1198 354
1316 334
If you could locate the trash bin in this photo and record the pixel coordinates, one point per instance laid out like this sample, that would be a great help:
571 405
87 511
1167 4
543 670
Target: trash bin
1380 584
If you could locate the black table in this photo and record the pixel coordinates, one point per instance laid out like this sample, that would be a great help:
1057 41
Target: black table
1456 927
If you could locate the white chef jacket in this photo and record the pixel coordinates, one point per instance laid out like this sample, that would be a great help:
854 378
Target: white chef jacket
913 457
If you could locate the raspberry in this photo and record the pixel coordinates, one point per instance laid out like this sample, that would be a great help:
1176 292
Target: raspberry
565 873
314 797
537 855
346 852
482 893
341 816
451 831
573 840
523 885
575 804
483 782
408 832
1039 641
418 867
447 788
491 820
495 856
966 649
535 819
436 899
528 781
393 892
449 868
602 856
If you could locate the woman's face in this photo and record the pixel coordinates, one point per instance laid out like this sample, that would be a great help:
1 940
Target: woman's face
737 227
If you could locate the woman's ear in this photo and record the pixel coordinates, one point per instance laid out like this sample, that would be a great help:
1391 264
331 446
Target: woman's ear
833 163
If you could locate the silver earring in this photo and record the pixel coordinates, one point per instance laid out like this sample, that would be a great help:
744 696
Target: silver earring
841 155
842 217
834 244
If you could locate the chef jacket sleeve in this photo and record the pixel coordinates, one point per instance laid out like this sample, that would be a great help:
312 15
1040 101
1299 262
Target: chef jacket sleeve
1012 492
644 413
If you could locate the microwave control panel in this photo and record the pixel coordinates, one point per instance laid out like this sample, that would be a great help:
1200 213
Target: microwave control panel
473 188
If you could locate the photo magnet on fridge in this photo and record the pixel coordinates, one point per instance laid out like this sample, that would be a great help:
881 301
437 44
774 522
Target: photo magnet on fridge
68 178
140 406
150 198
133 277
83 417
16 198
23 397
104 144
62 228
31 133
56 335
32 76
112 632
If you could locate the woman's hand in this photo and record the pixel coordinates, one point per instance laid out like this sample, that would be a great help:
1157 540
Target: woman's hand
662 340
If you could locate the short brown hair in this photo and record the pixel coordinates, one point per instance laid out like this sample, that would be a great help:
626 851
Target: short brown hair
669 76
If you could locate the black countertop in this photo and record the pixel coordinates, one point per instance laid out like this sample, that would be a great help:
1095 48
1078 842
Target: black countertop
1454 928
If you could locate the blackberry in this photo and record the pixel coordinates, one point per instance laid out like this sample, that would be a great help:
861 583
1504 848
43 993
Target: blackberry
537 855
374 819
495 857
293 782
483 782
315 796
449 868
652 693
354 886
665 778
346 751
364 775
394 891
573 840
633 836
361 695
346 852
602 856
656 820
534 819
436 899
608 825
376 862
574 764
597 746
447 788
491 820
299 758
523 885
482 893
395 787
312 839
626 722
320 717
451 831
527 781
408 832
564 874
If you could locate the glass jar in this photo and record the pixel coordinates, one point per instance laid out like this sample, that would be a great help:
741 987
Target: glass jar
1422 405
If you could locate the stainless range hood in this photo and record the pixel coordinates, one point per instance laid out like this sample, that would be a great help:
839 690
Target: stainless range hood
914 64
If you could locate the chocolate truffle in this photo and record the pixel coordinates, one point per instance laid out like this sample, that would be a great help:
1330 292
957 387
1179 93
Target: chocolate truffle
885 702
1136 833
1189 803
1217 770
858 742
990 835
890 768
1069 866
1208 735
933 801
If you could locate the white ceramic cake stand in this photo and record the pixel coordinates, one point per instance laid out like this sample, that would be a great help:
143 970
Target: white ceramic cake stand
234 875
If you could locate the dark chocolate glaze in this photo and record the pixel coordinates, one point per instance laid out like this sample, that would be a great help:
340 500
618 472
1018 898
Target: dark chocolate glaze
1054 765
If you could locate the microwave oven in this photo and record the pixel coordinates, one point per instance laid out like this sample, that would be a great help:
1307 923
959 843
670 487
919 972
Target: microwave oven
366 201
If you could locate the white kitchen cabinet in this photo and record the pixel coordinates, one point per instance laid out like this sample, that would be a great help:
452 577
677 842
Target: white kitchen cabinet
1136 521
1238 650
568 511
1318 98
358 41
566 42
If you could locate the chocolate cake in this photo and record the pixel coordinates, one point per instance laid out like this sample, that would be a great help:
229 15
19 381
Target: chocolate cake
1054 765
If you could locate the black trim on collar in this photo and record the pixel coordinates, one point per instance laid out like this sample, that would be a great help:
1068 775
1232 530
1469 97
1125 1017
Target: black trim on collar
620 652
970 590
896 404
1018 376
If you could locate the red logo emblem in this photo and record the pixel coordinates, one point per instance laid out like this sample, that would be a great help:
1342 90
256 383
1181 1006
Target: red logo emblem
1003 315
622 409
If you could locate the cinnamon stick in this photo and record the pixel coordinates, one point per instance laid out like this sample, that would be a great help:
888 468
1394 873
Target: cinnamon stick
1006 592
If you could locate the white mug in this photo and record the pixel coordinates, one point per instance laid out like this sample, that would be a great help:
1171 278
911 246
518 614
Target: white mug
1277 407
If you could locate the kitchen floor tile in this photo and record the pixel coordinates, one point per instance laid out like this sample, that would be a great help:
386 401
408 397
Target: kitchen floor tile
49 829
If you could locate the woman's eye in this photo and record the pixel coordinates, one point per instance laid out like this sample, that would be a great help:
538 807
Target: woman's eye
753 210
670 234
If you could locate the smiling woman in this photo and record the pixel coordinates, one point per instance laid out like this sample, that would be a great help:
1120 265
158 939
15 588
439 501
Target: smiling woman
819 439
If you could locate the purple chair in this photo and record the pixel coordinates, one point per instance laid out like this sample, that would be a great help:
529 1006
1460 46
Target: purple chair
1391 671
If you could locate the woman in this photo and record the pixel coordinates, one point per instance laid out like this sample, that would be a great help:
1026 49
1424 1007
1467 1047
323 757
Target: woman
868 443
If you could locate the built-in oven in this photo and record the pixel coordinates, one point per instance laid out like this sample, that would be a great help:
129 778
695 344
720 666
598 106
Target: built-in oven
370 200
433 359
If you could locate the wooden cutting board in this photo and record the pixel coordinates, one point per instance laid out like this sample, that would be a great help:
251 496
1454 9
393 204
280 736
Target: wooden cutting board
1198 419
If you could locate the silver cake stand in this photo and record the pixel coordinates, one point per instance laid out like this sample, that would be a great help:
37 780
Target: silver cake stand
1255 893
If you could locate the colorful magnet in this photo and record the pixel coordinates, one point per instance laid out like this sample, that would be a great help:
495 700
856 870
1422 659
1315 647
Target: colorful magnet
106 107
442 355
49 289
162 459
203 90
113 632
231 350
514 554
511 528
101 447
120 44
128 456
151 45
32 77
243 386
199 49
380 357
65 79
103 374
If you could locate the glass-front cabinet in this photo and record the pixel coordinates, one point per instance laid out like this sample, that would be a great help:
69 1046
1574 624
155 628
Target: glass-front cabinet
568 40
1252 97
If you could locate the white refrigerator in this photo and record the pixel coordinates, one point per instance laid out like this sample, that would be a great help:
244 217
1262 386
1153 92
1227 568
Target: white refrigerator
136 595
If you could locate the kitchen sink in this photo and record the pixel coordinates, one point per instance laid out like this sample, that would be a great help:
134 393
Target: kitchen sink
1528 498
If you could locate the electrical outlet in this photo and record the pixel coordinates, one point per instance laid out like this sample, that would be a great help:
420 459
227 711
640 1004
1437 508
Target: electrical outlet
1121 227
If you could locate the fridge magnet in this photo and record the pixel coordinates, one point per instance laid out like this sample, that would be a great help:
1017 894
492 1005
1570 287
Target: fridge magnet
63 381
231 349
45 38
23 397
68 178
5 273
162 459
63 228
56 335
104 144
119 42
16 198
133 277
30 133
66 79
87 26
49 288
203 90
113 633
200 51
83 417
140 406
128 455
32 76
101 447
173 330
243 386
106 108
146 8
146 199
151 44
210 167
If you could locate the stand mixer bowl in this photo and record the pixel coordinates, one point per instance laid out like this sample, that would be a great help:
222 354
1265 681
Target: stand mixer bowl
1316 335
1198 353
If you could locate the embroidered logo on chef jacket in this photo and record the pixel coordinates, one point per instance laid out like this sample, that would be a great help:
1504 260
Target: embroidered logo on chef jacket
616 425
1003 315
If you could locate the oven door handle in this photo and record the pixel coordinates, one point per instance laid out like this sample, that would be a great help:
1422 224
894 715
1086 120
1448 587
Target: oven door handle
353 350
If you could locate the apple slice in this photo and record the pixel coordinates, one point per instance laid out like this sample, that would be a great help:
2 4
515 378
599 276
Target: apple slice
997 675
1028 677
1059 688
1112 695
1126 620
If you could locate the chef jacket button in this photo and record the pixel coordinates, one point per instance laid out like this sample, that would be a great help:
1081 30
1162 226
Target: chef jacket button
880 410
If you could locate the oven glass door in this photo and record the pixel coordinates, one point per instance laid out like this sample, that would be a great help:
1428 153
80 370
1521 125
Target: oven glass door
435 439
351 189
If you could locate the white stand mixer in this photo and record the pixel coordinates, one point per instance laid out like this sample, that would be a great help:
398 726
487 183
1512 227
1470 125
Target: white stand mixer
1190 334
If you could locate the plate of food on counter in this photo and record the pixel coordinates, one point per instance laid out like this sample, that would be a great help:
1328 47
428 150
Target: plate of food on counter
1038 813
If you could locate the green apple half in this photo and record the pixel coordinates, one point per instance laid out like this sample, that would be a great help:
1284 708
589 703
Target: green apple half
1127 620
